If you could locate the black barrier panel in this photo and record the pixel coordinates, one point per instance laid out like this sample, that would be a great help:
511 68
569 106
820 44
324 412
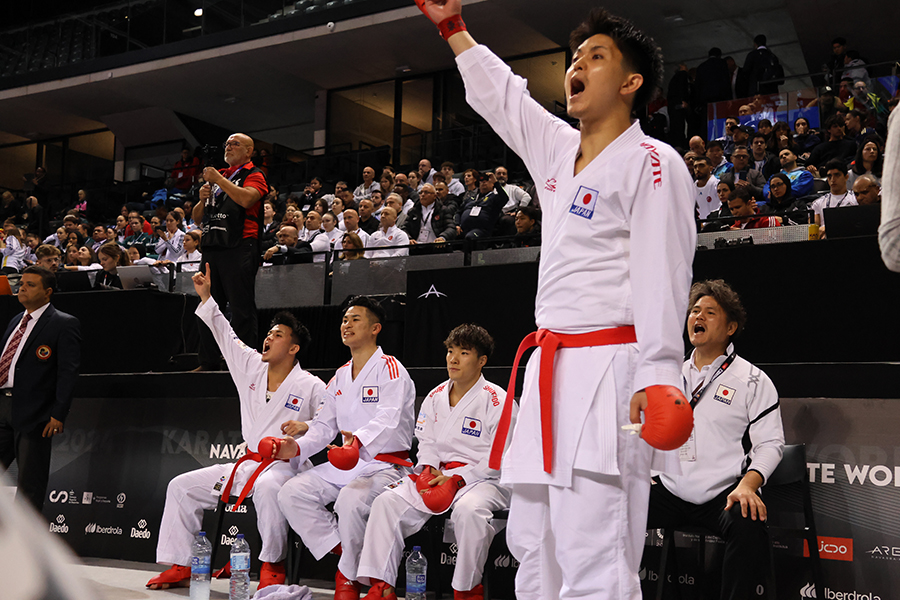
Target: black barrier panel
132 331
290 285
500 298
384 275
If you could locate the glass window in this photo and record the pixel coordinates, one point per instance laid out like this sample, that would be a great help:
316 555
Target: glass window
364 114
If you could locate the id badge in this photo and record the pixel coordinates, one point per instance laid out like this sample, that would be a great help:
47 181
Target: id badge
476 210
688 452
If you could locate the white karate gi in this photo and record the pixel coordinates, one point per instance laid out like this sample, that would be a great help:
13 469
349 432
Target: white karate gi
189 494
707 197
377 407
618 243
392 237
463 433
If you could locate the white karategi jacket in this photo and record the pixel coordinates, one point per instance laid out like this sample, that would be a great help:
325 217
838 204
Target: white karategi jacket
462 433
737 427
296 399
617 248
378 407
392 237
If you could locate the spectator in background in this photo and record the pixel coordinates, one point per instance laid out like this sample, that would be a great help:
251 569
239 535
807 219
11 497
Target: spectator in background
414 181
697 145
137 235
470 178
743 176
111 258
737 79
762 67
412 194
170 246
453 185
12 249
740 204
405 193
71 255
364 190
780 198
723 191
517 196
835 64
801 179
835 148
48 257
762 160
689 157
352 246
782 137
191 256
805 139
326 240
10 207
678 97
741 137
388 234
367 221
321 206
122 229
429 221
855 67
869 160
269 225
87 261
386 183
713 78
715 151
136 257
707 197
185 171
426 173
765 127
396 202
289 250
838 195
337 207
854 122
98 238
867 190
479 217
312 228
32 241
870 103
351 225
528 227
32 217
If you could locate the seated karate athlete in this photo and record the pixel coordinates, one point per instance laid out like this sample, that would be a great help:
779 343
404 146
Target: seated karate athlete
370 401
271 388
737 442
455 428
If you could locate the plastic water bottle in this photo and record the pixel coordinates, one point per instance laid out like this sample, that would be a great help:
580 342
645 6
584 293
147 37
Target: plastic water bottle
416 567
240 569
201 554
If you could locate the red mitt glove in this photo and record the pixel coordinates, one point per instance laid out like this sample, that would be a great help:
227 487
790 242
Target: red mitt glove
269 446
345 457
668 418
424 479
439 498
449 26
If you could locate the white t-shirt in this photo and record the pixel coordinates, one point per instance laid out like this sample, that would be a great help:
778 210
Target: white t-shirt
829 200
707 197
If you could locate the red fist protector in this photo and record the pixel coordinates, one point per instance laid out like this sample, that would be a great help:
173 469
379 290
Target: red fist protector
269 446
424 479
440 497
449 26
668 418
345 457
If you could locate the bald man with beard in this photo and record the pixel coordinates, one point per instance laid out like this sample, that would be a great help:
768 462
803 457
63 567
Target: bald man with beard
230 210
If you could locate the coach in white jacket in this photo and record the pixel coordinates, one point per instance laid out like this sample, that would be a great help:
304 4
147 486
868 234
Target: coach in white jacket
272 389
455 428
737 443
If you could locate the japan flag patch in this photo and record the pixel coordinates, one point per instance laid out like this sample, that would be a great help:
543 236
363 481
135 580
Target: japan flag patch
370 394
584 202
293 402
471 427
724 394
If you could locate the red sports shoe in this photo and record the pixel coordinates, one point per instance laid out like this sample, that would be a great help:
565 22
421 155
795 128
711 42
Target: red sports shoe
224 572
271 574
174 576
376 592
344 589
476 593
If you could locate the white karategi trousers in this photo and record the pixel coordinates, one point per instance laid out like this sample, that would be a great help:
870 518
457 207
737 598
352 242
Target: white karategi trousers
393 519
303 501
189 494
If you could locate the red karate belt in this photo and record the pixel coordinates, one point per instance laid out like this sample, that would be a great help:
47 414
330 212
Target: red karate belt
255 457
401 457
549 342
449 466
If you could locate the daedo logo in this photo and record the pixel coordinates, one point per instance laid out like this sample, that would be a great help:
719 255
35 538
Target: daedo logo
227 540
833 548
60 525
141 533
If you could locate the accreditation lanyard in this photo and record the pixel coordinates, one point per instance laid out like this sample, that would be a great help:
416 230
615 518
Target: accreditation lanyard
234 175
698 393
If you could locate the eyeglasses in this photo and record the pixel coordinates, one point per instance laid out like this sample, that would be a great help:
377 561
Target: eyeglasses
229 144
776 184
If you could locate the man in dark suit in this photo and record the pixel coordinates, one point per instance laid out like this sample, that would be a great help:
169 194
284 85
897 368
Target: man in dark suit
38 368
429 221
743 175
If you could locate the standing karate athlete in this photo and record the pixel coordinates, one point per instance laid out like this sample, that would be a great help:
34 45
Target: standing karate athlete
615 270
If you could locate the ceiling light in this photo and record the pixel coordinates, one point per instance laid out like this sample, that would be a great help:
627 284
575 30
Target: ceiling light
198 12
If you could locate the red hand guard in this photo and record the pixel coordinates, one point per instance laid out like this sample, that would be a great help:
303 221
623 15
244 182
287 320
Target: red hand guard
269 446
345 457
449 26
424 479
668 419
439 498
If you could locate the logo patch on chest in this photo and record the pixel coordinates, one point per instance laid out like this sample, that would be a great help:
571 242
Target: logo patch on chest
370 394
471 427
293 402
584 202
724 394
